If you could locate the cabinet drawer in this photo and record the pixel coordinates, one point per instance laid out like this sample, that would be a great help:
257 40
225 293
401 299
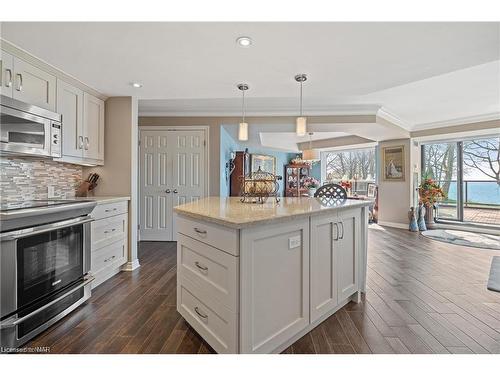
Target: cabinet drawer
217 326
213 271
225 239
113 254
109 230
102 211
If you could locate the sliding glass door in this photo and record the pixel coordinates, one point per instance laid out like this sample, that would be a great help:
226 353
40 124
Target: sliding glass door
468 171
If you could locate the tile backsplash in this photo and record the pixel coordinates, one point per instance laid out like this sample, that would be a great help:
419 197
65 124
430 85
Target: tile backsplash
25 178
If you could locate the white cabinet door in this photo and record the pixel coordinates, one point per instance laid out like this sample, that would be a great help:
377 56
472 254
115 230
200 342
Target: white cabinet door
7 73
33 85
70 106
324 293
93 118
274 285
347 248
155 187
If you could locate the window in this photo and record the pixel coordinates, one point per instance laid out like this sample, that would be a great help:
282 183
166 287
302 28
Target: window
357 166
468 171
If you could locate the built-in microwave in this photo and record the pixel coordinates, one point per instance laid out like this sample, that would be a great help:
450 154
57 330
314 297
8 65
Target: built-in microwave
29 130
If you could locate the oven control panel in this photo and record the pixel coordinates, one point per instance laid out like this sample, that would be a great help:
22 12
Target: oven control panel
55 140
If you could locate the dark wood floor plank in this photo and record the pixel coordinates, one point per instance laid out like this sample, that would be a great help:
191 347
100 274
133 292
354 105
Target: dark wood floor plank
423 296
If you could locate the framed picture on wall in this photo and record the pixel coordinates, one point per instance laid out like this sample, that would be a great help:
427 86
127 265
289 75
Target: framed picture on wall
266 163
393 162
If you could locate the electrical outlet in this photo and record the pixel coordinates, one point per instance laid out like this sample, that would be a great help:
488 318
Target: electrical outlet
51 192
294 242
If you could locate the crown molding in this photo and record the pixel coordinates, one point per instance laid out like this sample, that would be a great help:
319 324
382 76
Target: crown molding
457 121
387 115
17 51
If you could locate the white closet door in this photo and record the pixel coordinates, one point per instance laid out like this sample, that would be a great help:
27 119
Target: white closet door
188 173
155 178
172 173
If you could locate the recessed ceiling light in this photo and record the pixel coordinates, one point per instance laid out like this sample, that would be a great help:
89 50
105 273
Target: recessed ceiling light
244 41
136 85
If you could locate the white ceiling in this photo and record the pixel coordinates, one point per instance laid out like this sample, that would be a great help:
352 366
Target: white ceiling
420 72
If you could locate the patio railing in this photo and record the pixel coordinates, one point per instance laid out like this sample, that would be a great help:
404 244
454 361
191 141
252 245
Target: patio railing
476 193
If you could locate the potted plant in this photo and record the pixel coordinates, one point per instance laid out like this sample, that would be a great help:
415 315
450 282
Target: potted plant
311 184
347 185
430 193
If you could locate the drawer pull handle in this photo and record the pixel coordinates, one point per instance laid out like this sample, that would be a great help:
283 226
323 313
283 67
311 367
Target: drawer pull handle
203 268
109 231
110 258
109 210
204 316
200 231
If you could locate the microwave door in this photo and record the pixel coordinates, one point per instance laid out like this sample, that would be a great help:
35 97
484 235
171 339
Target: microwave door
23 133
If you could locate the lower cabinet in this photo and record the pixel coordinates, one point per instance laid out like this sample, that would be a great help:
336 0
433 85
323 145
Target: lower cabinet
335 241
109 240
258 289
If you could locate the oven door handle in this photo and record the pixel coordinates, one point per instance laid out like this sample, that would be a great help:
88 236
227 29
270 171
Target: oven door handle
12 322
15 235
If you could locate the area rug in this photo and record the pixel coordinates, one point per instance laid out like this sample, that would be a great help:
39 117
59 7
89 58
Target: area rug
458 237
494 280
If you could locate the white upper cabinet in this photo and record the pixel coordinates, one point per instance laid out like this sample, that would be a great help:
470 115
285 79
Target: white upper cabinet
7 73
93 117
70 106
33 85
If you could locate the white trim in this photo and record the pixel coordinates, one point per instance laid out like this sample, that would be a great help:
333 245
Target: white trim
450 137
130 266
392 118
393 225
205 128
457 121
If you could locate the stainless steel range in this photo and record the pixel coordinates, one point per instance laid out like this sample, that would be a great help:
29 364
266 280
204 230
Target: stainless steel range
44 265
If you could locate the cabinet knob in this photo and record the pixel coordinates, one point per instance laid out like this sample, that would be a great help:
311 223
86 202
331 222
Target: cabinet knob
175 191
167 191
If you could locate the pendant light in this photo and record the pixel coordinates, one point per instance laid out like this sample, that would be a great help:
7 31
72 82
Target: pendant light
310 153
243 128
301 122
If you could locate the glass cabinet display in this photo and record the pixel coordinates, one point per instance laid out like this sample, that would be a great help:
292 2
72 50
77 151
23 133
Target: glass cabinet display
294 179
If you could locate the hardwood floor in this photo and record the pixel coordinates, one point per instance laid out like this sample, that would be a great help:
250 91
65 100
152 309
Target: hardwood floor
423 296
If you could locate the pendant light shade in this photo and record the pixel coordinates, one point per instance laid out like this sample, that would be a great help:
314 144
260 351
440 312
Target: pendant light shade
301 126
301 122
243 128
310 153
243 131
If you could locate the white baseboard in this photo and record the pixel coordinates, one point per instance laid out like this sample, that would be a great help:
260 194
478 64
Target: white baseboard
130 266
392 225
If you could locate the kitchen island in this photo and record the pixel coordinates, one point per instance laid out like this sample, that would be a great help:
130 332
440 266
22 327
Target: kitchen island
254 278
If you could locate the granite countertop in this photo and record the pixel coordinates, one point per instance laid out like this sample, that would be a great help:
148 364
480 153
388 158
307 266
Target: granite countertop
104 199
233 213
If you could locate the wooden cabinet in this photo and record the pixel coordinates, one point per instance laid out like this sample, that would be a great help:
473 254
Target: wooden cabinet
28 83
83 125
7 73
70 106
274 285
93 118
335 242
294 179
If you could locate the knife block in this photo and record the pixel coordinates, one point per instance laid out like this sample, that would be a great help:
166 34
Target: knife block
85 189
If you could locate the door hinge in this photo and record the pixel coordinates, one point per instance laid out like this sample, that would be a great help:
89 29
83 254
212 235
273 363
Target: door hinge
204 143
139 143
138 226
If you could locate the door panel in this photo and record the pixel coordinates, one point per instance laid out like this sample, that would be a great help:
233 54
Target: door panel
34 86
347 253
7 74
323 274
155 223
94 127
171 160
70 106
